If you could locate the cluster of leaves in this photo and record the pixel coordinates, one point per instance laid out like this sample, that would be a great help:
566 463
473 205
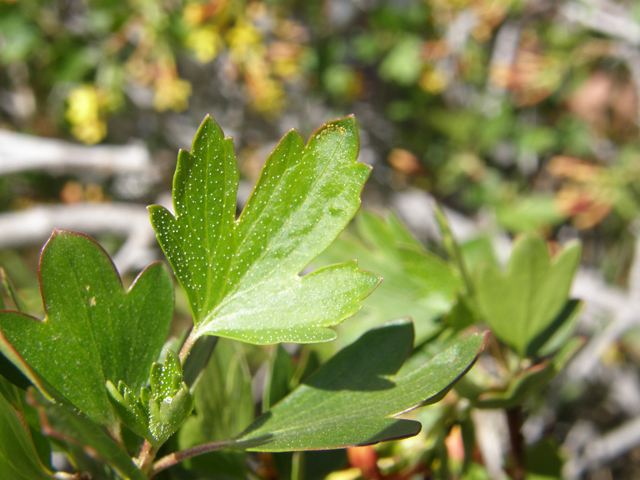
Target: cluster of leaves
92 353
526 306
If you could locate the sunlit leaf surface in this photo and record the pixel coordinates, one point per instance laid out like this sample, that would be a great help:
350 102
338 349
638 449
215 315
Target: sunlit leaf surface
242 275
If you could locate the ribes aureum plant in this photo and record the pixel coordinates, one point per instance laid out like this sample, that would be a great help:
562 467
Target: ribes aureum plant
89 359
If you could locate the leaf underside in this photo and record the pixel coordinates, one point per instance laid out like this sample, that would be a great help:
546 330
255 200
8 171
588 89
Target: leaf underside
242 276
353 398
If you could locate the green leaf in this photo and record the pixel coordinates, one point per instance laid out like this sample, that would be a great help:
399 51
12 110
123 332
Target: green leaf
18 456
544 461
523 301
67 420
558 333
78 429
93 330
353 398
403 63
242 276
7 369
529 214
158 412
416 284
29 417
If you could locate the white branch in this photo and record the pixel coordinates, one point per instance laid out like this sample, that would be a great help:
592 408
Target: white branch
606 448
131 221
608 22
19 152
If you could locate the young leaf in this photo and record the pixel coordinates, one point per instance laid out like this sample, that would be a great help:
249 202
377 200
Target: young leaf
76 428
93 330
159 411
353 398
241 276
522 302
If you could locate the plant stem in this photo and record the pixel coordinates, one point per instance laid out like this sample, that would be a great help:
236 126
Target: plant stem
514 420
147 455
187 346
173 458
453 249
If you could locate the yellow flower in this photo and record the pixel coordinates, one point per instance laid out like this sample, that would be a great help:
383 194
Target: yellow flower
432 81
244 41
171 93
90 132
193 14
205 43
84 107
267 94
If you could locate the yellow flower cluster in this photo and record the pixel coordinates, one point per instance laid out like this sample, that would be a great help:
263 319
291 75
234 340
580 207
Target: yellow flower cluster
86 106
205 42
171 92
262 63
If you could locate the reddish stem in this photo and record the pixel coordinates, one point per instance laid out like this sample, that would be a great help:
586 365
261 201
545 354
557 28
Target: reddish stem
514 420
173 458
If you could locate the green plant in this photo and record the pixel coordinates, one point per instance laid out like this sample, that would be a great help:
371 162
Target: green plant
88 361
526 306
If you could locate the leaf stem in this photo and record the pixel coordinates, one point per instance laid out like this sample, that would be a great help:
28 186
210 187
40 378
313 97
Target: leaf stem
187 346
173 458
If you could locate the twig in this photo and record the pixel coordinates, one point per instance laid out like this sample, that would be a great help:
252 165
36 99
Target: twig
514 421
609 22
35 225
176 457
491 430
608 447
147 455
19 152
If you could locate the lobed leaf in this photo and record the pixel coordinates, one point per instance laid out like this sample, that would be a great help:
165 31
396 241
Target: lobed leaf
417 283
530 381
354 397
242 276
522 302
93 330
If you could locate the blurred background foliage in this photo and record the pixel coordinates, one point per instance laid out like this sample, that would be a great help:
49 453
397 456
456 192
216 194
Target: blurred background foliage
520 114
519 109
